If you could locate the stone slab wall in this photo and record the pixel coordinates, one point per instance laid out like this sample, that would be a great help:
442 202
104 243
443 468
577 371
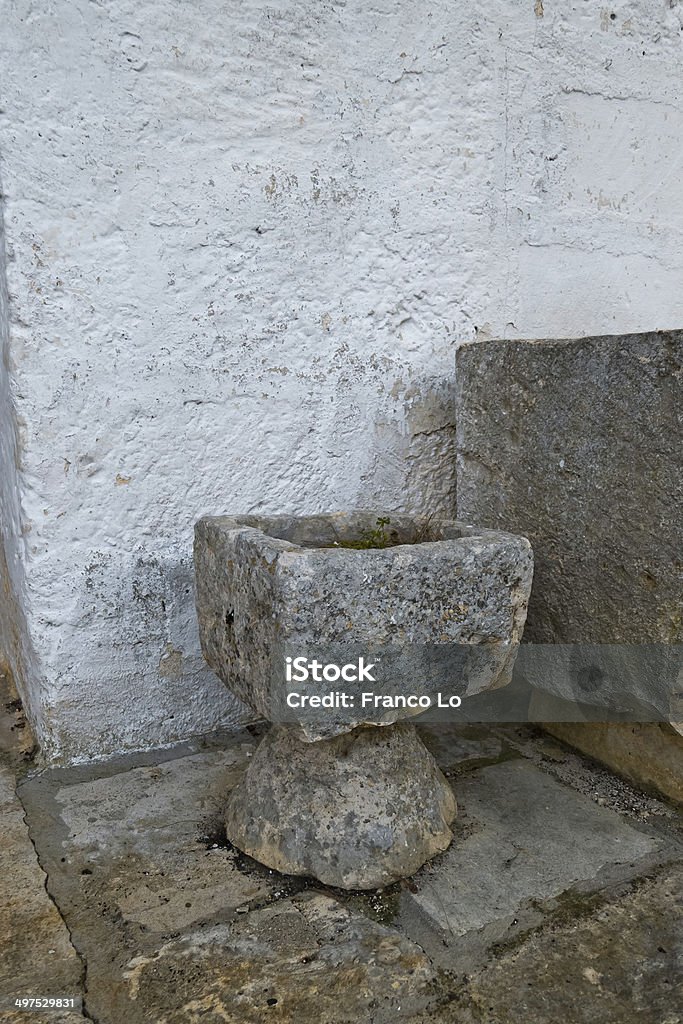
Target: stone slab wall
578 445
244 240
647 754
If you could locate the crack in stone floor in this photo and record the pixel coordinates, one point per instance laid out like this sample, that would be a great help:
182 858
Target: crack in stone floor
38 957
560 898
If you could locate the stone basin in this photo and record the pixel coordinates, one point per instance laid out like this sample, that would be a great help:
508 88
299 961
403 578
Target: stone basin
328 793
269 587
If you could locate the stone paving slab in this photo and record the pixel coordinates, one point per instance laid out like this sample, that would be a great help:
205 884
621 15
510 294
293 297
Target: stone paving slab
175 925
307 958
620 964
37 956
525 838
135 837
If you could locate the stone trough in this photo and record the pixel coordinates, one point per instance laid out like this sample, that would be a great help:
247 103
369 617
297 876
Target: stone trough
349 794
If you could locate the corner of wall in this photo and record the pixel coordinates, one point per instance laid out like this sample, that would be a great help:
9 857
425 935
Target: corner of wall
16 658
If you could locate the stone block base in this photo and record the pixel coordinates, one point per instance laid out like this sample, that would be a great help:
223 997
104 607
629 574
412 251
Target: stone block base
650 755
358 811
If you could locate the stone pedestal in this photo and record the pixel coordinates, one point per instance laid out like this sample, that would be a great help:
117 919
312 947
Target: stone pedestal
352 797
358 811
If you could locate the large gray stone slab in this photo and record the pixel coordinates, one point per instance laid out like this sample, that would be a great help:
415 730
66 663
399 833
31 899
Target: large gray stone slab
134 838
578 445
615 963
525 839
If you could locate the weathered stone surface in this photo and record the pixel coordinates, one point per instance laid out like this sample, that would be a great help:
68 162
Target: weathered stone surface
524 838
270 586
596 682
582 450
14 1015
175 925
578 445
37 958
266 587
619 963
171 879
306 960
110 834
358 811
462 746
649 754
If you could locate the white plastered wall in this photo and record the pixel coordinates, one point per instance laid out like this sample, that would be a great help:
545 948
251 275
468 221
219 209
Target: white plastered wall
15 647
243 241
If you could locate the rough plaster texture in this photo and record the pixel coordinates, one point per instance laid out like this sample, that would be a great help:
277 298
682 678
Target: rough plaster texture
242 243
14 642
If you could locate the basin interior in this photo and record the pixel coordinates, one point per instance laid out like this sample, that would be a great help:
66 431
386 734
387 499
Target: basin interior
362 529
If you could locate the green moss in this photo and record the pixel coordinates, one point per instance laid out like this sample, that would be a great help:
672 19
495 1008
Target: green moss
376 537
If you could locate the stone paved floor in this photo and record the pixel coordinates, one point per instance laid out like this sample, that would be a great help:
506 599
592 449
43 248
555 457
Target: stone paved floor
560 899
